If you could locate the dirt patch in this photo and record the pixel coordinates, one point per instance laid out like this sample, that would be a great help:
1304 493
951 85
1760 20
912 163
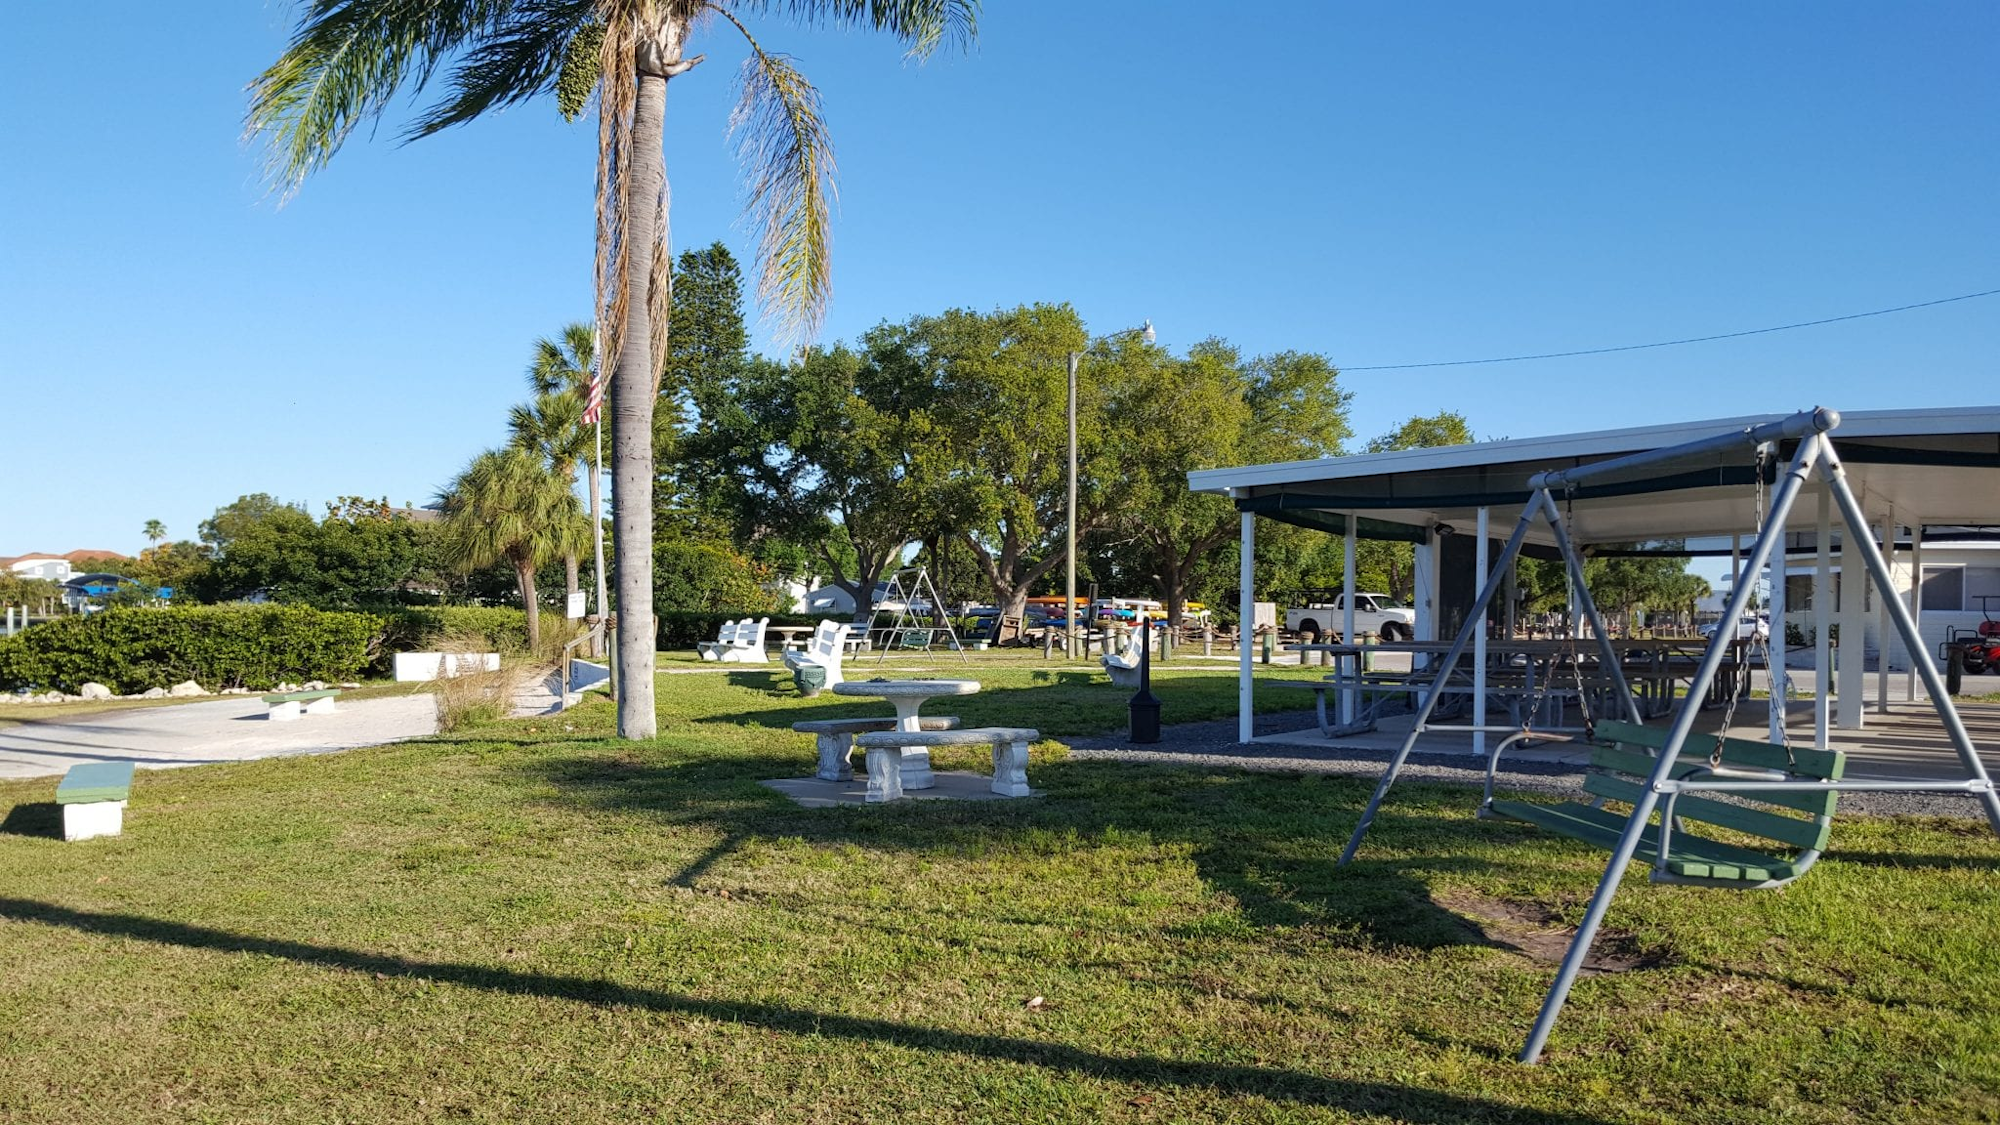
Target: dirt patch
1536 933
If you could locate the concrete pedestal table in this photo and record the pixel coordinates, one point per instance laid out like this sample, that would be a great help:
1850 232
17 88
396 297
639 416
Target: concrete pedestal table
788 635
908 696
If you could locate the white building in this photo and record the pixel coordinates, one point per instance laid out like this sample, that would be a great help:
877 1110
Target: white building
54 568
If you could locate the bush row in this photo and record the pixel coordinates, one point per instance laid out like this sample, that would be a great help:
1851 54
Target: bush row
131 650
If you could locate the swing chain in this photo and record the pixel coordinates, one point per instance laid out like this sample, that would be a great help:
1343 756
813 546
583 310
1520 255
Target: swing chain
1758 645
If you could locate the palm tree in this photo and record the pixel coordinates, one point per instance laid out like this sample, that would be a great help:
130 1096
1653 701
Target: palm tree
349 58
507 506
551 427
155 531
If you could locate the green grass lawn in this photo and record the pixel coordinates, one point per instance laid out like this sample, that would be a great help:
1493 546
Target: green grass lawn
531 921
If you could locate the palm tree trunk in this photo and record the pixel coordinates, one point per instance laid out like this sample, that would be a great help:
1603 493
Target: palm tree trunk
569 573
524 577
632 419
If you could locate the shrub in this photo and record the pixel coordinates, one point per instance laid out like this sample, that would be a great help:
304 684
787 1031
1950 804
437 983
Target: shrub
422 628
133 649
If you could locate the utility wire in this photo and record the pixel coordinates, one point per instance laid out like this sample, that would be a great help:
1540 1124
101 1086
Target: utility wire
1674 343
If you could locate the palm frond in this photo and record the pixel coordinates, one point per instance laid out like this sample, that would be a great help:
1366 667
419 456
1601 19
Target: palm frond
345 63
523 55
925 25
787 158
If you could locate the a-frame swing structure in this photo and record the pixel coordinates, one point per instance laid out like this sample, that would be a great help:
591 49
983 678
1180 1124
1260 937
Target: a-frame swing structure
907 628
1773 773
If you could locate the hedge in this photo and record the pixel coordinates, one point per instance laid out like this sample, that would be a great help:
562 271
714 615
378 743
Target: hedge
417 628
131 650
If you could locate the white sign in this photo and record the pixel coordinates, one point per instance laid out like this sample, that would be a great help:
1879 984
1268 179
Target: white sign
576 605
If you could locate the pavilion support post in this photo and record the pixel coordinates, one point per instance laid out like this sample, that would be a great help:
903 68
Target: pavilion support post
1488 586
1347 695
1787 490
1774 649
1852 675
1823 620
1906 626
1246 630
1886 592
1423 578
1479 565
1916 602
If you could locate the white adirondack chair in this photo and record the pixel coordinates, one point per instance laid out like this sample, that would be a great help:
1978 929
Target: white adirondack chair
724 639
748 646
825 649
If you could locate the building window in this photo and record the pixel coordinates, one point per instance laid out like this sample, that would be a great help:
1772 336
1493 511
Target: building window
1982 581
1944 587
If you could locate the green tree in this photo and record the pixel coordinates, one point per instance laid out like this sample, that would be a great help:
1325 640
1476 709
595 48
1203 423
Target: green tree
349 58
982 398
551 425
1206 411
155 531
506 506
690 577
706 359
1390 567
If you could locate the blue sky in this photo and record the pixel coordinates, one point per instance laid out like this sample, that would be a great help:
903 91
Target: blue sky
1383 183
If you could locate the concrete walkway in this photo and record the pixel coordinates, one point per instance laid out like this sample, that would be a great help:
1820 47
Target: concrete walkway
234 729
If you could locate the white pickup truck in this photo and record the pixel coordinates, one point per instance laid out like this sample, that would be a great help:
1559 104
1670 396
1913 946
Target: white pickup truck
1373 613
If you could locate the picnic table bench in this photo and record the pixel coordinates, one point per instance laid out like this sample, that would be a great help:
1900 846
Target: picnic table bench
835 740
285 706
93 796
885 756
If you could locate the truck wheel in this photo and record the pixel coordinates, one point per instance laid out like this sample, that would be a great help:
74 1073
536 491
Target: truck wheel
1310 627
1392 632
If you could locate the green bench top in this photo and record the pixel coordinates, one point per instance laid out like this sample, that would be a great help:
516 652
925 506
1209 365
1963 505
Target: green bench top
92 782
297 696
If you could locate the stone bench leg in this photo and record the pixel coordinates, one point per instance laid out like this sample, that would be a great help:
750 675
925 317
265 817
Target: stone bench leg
285 712
97 818
834 753
1010 769
320 706
917 768
885 774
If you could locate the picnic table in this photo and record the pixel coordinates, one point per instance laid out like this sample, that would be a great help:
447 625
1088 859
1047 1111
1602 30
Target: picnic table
908 697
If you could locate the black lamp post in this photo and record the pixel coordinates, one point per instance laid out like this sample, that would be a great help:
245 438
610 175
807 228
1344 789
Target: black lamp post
1145 705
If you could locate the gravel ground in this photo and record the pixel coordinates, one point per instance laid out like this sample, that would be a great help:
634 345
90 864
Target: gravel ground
1213 745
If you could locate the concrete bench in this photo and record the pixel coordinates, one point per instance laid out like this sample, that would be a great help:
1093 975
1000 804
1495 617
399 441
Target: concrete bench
885 756
93 798
286 706
835 739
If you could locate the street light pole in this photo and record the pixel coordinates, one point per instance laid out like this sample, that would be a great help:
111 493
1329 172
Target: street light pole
1146 332
1069 540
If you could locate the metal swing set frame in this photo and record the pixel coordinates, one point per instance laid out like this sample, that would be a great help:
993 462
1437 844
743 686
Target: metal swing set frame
1646 471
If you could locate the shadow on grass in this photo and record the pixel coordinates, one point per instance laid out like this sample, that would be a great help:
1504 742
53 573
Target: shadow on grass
1403 1103
1270 841
41 819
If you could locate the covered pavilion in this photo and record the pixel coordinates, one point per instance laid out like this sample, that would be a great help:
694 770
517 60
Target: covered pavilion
1909 470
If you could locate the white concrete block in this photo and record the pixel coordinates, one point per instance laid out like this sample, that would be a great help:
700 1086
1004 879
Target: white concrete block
422 667
320 706
286 712
98 818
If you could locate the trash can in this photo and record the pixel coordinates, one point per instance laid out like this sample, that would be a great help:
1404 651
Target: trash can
811 679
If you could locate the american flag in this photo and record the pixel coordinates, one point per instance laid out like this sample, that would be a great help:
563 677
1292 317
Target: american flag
593 399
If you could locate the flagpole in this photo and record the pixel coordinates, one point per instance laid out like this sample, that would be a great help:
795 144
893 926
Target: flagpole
596 518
